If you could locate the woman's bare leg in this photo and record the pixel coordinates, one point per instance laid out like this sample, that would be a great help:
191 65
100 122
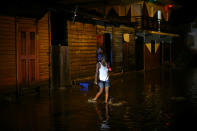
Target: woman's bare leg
106 94
98 94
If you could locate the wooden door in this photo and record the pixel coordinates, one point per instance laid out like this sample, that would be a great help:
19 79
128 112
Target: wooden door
27 57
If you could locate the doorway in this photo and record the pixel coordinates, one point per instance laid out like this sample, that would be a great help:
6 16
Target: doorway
107 47
105 42
26 54
139 53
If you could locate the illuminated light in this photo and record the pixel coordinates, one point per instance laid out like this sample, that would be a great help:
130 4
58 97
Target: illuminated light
166 7
126 37
170 6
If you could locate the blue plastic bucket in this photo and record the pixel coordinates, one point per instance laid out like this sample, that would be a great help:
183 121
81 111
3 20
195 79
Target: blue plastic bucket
84 86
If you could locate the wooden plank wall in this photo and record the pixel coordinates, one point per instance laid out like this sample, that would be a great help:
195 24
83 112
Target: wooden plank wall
117 48
100 30
43 40
81 49
117 41
7 53
132 57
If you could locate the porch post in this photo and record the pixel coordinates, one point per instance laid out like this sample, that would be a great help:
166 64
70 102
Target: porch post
162 57
170 52
50 53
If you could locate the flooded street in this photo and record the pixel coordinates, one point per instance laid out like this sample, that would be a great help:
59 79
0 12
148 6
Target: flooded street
159 100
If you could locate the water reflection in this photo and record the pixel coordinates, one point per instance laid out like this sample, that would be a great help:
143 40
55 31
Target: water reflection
159 100
193 89
103 115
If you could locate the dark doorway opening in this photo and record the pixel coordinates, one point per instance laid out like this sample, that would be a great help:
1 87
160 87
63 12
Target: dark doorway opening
139 53
107 47
59 29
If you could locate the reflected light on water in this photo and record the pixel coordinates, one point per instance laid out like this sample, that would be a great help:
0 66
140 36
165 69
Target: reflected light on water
157 100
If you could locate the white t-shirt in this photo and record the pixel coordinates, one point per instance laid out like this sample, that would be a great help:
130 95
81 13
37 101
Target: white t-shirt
103 73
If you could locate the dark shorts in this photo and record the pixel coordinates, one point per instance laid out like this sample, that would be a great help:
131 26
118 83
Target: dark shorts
103 84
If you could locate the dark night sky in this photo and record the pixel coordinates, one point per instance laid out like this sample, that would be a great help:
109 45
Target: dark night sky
186 13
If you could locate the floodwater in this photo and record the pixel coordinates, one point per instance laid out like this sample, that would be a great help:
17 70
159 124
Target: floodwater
159 100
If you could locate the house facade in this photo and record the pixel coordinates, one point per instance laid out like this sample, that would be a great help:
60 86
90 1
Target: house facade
25 44
80 54
134 36
154 35
55 52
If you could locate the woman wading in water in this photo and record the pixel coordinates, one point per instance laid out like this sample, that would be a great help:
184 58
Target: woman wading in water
102 79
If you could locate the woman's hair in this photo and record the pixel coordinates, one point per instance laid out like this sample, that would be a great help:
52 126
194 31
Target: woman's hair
100 50
103 57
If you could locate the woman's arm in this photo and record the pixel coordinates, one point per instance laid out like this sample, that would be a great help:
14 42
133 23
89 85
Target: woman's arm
96 73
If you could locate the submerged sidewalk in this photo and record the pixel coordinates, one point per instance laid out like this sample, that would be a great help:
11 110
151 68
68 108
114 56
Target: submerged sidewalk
157 100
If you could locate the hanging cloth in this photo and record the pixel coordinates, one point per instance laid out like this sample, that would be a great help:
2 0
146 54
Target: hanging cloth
166 13
136 10
152 9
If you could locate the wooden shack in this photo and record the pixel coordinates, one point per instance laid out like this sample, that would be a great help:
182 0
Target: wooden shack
142 50
24 45
85 38
154 37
